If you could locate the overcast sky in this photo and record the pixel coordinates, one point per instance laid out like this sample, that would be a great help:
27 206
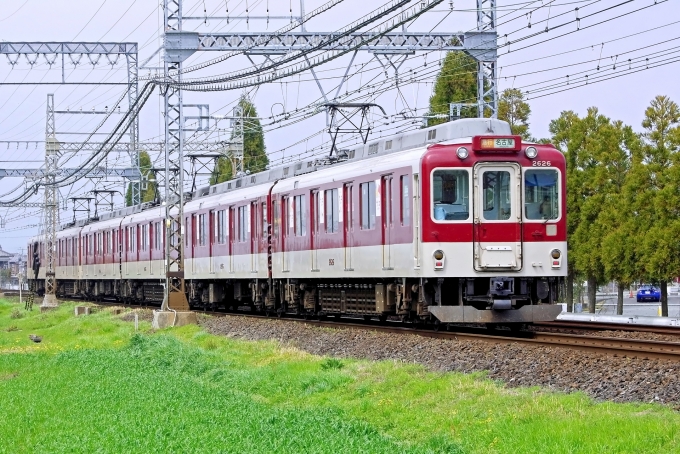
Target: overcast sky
581 36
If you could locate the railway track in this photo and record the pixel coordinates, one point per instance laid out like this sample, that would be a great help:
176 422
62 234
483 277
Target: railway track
620 347
595 326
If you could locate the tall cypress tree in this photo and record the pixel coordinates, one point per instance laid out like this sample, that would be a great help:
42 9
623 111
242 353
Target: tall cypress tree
254 154
148 194
456 83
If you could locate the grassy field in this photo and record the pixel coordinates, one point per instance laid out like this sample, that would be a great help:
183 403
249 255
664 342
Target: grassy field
94 385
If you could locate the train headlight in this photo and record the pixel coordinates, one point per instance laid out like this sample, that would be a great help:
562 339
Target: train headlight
462 152
531 152
556 258
438 256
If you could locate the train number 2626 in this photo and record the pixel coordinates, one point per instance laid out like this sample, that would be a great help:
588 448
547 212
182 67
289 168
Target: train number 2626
540 163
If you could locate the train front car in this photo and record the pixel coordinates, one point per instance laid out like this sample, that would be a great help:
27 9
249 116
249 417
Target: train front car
493 229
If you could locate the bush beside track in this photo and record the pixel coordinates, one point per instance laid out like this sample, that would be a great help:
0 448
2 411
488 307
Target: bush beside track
93 384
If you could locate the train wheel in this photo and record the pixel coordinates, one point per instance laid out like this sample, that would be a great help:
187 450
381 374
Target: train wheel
436 325
382 318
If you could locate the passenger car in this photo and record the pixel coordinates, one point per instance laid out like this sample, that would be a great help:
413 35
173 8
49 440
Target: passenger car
648 293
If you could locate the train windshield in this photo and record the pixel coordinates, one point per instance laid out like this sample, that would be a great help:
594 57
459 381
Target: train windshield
450 195
541 194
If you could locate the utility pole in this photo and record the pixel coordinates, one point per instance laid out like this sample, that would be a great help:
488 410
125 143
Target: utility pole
51 206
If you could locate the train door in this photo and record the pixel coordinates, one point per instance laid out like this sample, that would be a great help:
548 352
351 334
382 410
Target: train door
286 227
254 236
212 232
232 236
192 241
348 229
314 231
497 216
416 220
387 221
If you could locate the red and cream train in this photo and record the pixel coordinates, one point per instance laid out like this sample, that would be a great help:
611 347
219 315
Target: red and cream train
460 222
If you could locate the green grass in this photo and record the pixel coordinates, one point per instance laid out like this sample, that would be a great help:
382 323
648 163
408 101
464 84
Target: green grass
94 385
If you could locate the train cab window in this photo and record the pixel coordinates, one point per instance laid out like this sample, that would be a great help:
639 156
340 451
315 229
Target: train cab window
497 199
541 194
405 201
450 194
332 211
367 205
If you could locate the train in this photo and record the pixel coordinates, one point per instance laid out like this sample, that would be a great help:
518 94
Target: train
462 222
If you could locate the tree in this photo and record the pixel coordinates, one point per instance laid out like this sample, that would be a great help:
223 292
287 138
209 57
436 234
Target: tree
597 157
658 198
254 155
456 83
148 194
513 109
615 221
560 130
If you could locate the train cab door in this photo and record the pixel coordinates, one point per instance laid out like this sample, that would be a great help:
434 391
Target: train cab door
315 213
348 224
386 202
497 232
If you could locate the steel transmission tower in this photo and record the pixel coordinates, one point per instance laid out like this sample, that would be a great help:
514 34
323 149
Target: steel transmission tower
487 93
175 296
51 205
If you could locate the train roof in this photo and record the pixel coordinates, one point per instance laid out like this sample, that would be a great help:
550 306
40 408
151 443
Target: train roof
454 131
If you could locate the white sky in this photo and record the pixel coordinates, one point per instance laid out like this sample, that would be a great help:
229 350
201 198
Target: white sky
22 108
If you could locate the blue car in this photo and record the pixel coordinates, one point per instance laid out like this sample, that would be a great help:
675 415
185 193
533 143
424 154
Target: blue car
648 293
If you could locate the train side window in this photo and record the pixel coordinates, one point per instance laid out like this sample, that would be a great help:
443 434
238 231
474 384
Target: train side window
450 195
201 230
242 219
541 194
276 217
144 237
264 218
220 226
367 205
158 235
405 201
300 215
332 211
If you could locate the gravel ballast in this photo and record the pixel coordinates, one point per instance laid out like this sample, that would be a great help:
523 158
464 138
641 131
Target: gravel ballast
602 377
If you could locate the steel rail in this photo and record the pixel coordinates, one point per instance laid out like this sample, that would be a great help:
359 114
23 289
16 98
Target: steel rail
610 346
599 326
